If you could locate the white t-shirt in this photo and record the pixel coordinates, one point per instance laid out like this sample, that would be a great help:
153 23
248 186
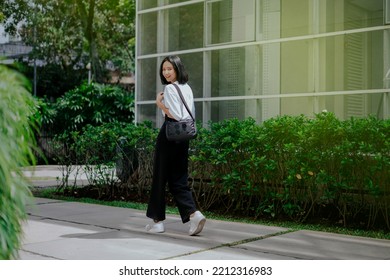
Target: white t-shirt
173 101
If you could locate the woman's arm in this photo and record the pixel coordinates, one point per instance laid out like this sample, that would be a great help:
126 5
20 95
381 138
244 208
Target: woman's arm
160 104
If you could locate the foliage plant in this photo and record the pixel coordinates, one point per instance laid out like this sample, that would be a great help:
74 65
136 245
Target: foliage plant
287 168
88 104
92 104
105 152
295 167
16 150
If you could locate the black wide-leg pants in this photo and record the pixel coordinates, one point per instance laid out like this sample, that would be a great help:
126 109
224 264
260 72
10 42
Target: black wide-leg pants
170 166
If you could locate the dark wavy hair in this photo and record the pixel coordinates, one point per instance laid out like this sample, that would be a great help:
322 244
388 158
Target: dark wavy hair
178 66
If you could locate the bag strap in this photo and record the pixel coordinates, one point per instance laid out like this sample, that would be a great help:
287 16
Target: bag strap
182 99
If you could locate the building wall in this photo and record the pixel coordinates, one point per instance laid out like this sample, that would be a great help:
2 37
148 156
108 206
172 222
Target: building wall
264 58
11 47
3 36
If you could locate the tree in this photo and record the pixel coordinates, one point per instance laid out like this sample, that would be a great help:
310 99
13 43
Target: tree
72 33
16 138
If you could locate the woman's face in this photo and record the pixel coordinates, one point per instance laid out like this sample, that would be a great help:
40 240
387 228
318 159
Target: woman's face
169 72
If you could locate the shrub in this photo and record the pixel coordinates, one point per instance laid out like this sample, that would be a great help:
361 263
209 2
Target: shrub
93 104
289 167
16 138
296 168
112 156
88 104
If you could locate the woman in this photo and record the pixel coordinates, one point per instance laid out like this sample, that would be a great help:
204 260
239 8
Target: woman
171 158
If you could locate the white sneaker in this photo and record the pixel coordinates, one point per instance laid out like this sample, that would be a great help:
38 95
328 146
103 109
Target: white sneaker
156 227
197 223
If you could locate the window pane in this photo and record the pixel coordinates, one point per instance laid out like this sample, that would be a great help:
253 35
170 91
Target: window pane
298 17
241 109
185 27
231 21
148 113
345 62
222 110
296 72
295 18
147 77
177 1
352 62
198 112
193 63
147 36
344 106
147 4
269 20
351 14
295 106
235 72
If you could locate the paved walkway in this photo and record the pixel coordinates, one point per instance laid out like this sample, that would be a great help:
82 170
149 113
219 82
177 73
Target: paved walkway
77 231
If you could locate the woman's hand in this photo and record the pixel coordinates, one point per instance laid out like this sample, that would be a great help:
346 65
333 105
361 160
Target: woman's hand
160 104
160 97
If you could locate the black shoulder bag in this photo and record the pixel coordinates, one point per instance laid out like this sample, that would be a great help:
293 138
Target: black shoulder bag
182 130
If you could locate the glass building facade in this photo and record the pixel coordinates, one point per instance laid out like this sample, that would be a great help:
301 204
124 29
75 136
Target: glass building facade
264 58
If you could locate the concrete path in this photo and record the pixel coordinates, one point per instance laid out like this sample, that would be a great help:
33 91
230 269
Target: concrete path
77 231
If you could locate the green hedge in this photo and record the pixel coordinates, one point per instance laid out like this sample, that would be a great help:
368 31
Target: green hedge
297 168
288 167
